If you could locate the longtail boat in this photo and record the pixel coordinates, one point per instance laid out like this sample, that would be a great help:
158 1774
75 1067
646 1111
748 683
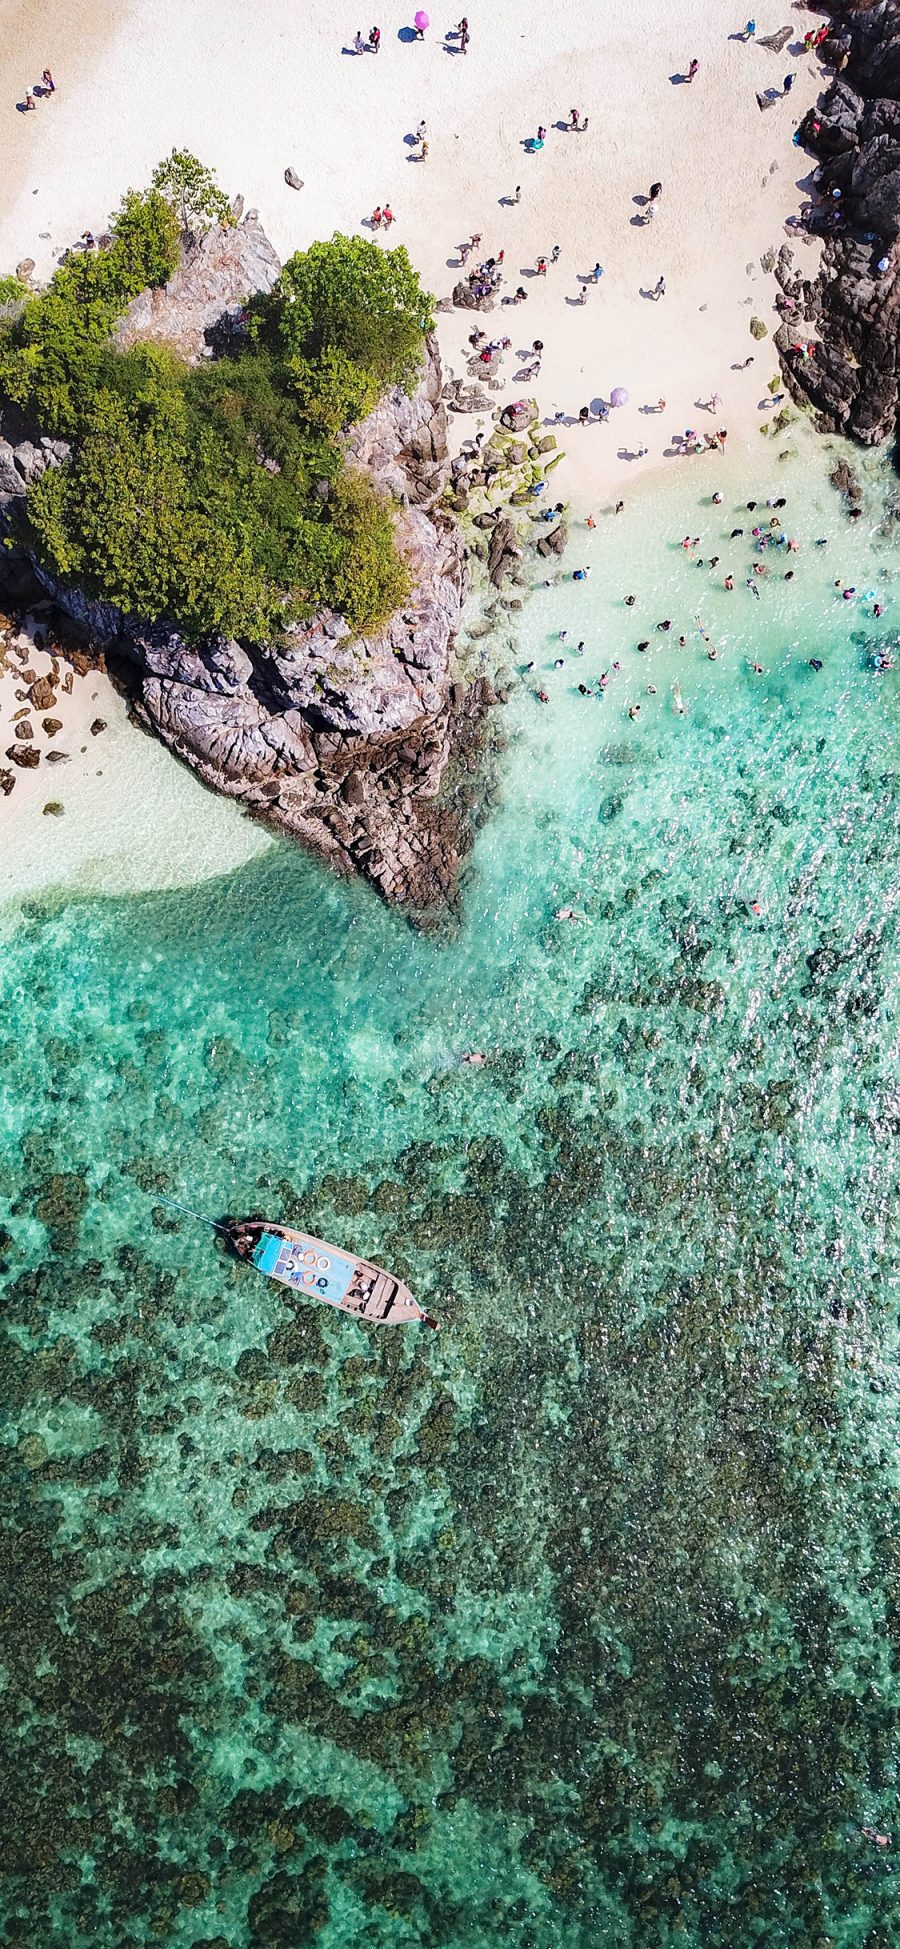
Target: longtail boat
314 1270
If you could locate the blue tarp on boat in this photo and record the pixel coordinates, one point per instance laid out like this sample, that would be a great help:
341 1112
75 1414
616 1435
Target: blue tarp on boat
321 1275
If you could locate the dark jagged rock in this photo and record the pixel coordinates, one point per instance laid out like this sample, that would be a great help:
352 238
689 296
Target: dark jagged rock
852 375
339 742
465 300
505 552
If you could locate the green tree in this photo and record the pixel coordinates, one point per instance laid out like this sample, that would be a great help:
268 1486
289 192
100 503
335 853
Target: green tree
345 303
145 239
51 356
192 191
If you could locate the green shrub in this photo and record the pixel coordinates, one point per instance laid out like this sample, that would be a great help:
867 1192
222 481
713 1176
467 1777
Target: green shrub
145 240
11 290
349 301
50 358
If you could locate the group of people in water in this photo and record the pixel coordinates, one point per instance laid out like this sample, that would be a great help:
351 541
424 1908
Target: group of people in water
769 538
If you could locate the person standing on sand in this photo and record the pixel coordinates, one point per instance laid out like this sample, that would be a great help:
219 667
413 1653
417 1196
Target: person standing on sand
787 84
359 45
692 70
375 39
659 289
387 216
48 81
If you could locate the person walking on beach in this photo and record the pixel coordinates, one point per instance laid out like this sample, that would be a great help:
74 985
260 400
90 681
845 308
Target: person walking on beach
517 193
387 216
584 416
596 273
692 70
375 39
750 30
48 81
359 45
787 84
554 254
655 192
29 99
659 289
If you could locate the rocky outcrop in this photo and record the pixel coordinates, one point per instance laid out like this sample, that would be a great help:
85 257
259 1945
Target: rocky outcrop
341 742
850 370
207 293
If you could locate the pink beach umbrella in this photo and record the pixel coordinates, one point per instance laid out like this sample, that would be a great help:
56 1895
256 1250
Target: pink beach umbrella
421 22
618 396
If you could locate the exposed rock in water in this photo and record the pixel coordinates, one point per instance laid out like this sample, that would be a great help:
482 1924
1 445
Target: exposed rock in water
505 552
843 478
342 743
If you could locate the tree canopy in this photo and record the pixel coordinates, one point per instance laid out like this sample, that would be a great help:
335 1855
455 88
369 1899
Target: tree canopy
217 496
191 191
350 319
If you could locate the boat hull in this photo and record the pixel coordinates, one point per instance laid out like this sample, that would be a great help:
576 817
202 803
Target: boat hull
314 1270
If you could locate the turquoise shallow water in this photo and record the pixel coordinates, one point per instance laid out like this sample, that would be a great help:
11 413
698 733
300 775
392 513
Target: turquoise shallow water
580 1624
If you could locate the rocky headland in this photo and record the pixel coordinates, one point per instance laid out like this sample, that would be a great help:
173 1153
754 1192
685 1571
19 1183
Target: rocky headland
346 744
850 371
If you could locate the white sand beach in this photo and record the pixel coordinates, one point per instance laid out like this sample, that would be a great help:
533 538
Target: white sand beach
254 91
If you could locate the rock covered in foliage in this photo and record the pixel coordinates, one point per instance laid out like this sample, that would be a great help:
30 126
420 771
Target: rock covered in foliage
852 375
338 741
342 742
